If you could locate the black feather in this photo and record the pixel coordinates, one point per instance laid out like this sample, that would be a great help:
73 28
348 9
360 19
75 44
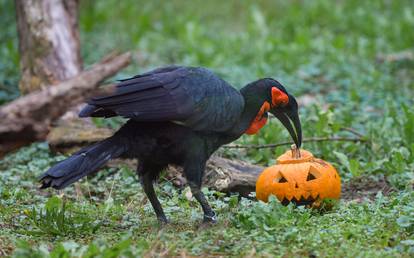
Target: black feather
82 163
193 97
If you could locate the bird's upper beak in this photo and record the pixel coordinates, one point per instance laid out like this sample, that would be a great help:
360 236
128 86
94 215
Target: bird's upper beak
289 115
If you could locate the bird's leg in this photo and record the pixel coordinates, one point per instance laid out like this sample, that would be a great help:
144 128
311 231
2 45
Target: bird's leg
194 174
146 178
209 214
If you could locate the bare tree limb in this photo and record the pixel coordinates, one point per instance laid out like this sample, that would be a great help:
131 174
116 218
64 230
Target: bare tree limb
28 118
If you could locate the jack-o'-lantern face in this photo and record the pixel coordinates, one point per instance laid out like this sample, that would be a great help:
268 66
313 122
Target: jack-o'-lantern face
304 180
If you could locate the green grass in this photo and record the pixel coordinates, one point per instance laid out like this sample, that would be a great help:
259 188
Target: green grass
112 211
326 50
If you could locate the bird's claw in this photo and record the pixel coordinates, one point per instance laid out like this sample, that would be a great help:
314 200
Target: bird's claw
163 221
210 218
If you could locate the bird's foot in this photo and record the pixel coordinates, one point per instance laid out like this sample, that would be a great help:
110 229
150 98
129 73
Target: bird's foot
210 219
162 220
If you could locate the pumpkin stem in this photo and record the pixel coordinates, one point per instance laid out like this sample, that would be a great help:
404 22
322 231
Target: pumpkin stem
295 151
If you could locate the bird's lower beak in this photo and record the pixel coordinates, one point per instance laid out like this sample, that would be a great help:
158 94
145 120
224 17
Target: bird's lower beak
287 119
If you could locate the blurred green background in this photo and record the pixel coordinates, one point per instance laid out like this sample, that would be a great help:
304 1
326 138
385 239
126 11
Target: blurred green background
350 63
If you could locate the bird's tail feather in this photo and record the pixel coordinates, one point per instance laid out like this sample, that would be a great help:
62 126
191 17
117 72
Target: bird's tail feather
82 163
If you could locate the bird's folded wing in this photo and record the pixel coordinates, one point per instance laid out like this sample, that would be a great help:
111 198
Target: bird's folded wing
193 97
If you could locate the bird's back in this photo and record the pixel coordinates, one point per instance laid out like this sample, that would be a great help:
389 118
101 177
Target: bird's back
194 97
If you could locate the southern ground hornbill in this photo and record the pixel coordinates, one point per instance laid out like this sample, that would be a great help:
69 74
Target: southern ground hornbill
177 115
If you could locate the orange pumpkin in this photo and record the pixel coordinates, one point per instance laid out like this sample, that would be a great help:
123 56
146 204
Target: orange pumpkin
299 178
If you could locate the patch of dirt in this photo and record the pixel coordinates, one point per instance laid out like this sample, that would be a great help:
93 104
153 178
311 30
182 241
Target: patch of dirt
6 247
406 55
362 188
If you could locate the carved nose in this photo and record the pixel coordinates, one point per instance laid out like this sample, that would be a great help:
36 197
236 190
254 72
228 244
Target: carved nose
296 185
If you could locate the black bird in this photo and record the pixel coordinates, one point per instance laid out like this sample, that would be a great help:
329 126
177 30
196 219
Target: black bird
177 115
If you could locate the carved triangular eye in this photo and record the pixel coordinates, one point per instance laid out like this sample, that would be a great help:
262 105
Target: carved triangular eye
313 174
280 178
310 177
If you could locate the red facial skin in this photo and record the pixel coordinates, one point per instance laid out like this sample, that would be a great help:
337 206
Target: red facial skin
279 98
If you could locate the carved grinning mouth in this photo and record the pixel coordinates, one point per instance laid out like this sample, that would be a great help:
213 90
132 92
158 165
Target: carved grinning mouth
302 201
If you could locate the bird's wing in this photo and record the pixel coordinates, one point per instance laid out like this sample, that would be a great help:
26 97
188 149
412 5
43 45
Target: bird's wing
191 96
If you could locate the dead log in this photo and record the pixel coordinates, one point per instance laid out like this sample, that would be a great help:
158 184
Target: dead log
224 175
28 118
231 176
69 135
49 44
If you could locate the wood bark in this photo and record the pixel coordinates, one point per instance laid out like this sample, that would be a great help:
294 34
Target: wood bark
223 175
28 118
48 42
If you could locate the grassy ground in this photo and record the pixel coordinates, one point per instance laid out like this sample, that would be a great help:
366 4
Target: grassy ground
335 53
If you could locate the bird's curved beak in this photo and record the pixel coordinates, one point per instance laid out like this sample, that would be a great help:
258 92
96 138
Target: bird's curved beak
287 117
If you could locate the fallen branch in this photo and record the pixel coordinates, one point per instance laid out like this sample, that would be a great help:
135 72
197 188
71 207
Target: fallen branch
28 118
221 174
312 139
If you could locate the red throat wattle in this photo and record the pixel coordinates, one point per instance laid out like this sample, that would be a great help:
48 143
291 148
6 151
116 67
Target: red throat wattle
278 98
259 121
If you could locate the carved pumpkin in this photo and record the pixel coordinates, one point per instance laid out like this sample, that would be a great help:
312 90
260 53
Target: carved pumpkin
299 178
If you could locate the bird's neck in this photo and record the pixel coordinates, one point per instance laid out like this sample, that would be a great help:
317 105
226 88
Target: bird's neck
254 107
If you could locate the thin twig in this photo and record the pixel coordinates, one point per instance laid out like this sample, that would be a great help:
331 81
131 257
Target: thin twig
353 131
312 139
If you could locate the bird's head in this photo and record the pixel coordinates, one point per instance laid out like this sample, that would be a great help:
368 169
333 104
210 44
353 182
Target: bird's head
278 102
